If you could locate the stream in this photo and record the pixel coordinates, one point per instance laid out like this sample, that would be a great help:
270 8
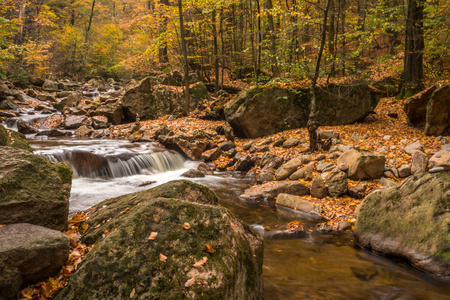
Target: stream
318 265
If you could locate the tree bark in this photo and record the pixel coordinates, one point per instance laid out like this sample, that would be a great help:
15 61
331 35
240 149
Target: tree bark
216 51
313 123
185 59
163 52
273 40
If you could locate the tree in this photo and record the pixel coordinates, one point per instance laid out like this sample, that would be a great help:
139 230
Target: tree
185 58
414 47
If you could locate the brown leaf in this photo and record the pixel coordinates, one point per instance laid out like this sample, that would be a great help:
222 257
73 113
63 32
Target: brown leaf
190 282
153 235
186 226
132 293
162 257
209 248
125 210
85 227
200 263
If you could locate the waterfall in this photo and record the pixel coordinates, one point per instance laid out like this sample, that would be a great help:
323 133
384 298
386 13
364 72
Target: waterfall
87 164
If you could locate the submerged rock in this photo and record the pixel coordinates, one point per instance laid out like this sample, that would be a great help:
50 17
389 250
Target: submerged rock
33 189
411 221
214 257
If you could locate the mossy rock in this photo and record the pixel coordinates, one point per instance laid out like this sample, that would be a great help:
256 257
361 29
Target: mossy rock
14 139
33 189
411 221
124 263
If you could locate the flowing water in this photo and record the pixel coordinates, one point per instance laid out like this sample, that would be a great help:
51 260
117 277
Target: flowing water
311 266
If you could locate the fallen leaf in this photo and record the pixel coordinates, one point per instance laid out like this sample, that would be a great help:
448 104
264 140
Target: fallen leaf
153 235
232 224
186 226
201 282
47 288
132 293
209 248
162 257
85 227
190 282
200 263
125 210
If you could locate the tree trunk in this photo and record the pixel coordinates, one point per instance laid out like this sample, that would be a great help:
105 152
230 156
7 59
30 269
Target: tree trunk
414 46
216 51
313 122
273 40
185 59
163 53
88 29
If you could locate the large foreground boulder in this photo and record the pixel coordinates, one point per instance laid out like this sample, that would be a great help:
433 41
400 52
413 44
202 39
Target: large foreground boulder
170 242
33 189
266 110
13 139
411 221
29 254
362 164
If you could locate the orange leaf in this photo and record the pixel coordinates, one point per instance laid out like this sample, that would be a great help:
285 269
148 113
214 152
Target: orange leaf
186 226
162 257
200 263
209 248
132 293
84 227
190 282
153 235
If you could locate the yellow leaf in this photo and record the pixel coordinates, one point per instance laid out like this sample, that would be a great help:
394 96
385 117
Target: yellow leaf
153 235
186 226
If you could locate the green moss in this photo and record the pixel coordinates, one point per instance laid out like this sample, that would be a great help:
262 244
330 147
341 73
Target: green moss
65 173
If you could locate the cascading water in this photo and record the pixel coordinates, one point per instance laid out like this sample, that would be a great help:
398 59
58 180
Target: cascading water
86 164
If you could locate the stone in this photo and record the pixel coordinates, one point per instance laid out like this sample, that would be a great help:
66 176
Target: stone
440 159
419 162
163 130
318 188
404 171
358 191
327 134
265 176
22 196
344 148
388 183
287 169
50 85
247 145
193 173
260 149
188 146
299 204
416 146
446 147
266 158
205 169
436 170
84 131
113 111
4 91
233 264
416 107
303 172
279 142
228 132
410 222
336 183
343 167
320 157
305 159
99 122
10 281
266 110
269 191
266 142
225 146
25 128
37 252
322 167
73 122
344 225
362 164
438 112
244 164
211 155
53 133
13 139
292 142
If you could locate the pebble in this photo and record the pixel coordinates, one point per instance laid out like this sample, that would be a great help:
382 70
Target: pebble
436 169
387 137
445 147
321 156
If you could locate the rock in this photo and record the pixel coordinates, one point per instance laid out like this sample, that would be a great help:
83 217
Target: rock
318 188
193 173
320 157
416 107
388 183
344 148
36 252
22 196
13 139
287 169
73 122
404 171
322 167
53 133
244 164
266 158
297 203
188 146
280 141
436 169
362 164
265 176
50 85
163 130
247 145
410 221
343 167
267 141
269 191
173 78
358 191
205 169
99 122
327 134
416 146
232 268
266 110
419 162
25 128
211 155
344 225
228 132
113 111
10 281
305 159
438 112
199 94
446 147
4 91
336 183
84 131
225 146
8 104
440 159
260 149
303 172
292 142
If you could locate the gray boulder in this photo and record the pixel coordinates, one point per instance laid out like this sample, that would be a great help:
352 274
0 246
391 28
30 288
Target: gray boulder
303 172
36 252
73 122
269 191
199 249
419 162
300 204
440 159
13 139
22 196
265 110
337 183
362 164
411 221
438 112
318 188
287 169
